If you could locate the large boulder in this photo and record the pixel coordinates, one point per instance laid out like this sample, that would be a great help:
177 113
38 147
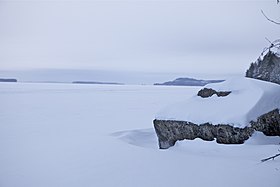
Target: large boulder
169 131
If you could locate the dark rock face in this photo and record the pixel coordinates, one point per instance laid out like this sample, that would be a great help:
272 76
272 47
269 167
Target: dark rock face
232 135
170 131
208 92
268 123
267 69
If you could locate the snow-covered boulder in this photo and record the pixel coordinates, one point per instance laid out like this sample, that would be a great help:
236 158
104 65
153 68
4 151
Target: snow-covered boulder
230 118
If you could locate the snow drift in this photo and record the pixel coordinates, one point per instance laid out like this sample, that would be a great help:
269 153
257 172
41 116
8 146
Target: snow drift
249 99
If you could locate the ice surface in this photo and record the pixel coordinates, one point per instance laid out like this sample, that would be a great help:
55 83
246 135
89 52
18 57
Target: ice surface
56 135
249 99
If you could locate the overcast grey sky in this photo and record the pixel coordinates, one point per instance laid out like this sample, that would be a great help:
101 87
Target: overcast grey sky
152 36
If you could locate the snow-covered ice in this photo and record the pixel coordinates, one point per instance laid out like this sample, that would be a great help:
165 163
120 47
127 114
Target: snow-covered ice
249 98
54 135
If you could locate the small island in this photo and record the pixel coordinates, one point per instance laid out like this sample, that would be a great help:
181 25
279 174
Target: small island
8 80
188 82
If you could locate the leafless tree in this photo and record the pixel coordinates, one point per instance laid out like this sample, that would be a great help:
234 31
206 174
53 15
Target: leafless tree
273 45
271 20
276 43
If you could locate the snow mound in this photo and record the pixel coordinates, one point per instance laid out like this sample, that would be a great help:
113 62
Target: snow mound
258 138
249 99
140 137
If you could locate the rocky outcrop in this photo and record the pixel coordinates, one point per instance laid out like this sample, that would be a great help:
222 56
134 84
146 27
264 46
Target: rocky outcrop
268 123
209 92
267 69
170 131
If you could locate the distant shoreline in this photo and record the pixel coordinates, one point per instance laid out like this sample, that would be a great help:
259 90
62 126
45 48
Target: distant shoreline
94 82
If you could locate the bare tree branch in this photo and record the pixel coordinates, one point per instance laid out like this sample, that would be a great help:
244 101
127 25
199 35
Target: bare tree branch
268 40
272 157
278 23
273 45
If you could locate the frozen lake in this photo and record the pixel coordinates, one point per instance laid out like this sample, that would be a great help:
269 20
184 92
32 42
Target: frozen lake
54 135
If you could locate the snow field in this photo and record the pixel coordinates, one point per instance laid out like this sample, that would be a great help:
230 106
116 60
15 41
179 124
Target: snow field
90 135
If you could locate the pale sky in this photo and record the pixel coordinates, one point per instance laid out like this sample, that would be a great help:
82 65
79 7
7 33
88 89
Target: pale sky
149 36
